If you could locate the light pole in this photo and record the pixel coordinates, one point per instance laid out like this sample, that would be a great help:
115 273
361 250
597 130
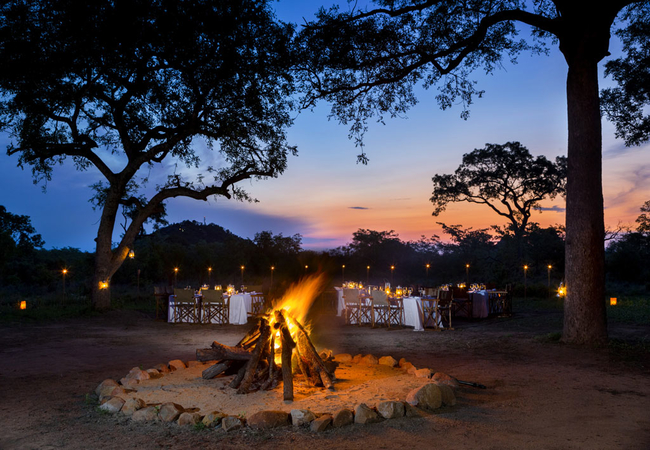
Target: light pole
343 274
367 275
132 257
242 275
548 287
392 269
427 268
525 281
64 272
175 275
467 276
272 270
209 276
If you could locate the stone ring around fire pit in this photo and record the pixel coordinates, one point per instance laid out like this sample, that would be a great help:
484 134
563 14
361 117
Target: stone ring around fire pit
176 392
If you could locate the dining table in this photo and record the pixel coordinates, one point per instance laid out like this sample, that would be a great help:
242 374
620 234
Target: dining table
483 302
239 307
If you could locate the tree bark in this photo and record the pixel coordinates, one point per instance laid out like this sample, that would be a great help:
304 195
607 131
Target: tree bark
584 308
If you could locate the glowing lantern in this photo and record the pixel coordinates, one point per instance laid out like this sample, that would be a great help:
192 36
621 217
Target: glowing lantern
23 305
103 285
612 301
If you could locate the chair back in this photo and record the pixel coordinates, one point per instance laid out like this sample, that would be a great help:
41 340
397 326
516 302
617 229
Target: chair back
431 292
459 292
351 296
184 295
212 296
379 298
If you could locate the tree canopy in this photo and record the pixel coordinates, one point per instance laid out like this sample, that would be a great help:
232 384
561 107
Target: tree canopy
142 91
506 178
367 63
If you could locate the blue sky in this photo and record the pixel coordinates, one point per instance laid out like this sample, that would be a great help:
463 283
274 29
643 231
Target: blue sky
325 196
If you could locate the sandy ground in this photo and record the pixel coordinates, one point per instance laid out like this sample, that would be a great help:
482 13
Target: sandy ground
540 395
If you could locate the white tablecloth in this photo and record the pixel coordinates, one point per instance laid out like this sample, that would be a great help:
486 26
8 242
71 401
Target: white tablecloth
413 314
340 304
240 306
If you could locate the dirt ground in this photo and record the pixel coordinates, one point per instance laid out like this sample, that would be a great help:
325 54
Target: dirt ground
540 394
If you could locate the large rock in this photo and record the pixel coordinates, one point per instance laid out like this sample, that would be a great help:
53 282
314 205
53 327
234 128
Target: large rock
423 373
268 419
447 393
162 368
321 424
357 358
189 418
112 405
427 397
145 414
443 378
402 361
343 358
118 391
230 423
388 361
138 374
132 405
301 417
154 373
170 412
390 410
369 360
406 365
412 411
342 418
176 364
212 419
105 388
128 382
364 414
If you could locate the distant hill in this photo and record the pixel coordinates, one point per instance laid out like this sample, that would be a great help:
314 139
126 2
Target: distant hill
191 232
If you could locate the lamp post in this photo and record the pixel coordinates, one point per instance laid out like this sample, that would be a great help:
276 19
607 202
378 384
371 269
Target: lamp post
64 272
525 281
242 275
367 275
272 270
467 276
427 268
392 269
175 275
343 273
132 257
548 286
209 276
306 269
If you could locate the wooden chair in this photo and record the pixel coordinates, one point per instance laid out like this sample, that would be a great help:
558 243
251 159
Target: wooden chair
430 313
215 307
445 308
380 309
396 312
462 303
352 306
257 305
185 306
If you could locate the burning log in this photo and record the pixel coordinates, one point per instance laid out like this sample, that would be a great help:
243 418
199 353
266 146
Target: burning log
254 361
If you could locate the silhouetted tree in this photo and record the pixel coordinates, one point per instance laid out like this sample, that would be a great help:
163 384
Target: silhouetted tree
505 178
627 104
137 90
368 62
643 220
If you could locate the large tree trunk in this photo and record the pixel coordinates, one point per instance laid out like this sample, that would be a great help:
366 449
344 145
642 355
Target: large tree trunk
584 308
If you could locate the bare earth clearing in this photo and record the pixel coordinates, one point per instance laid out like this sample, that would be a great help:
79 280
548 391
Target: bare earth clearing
539 394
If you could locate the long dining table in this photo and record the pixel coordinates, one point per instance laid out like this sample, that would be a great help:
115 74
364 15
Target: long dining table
239 306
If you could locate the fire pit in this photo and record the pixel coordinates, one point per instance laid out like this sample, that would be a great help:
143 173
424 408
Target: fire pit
241 381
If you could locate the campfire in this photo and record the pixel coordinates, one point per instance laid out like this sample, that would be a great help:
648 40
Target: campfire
277 349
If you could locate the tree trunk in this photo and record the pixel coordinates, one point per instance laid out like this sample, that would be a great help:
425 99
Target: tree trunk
584 307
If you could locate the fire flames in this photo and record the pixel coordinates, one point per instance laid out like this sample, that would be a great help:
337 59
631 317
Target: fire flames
295 305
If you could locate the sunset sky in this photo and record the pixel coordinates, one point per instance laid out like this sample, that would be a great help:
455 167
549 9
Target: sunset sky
325 196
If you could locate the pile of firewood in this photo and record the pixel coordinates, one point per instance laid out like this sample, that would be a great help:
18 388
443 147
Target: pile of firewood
253 358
